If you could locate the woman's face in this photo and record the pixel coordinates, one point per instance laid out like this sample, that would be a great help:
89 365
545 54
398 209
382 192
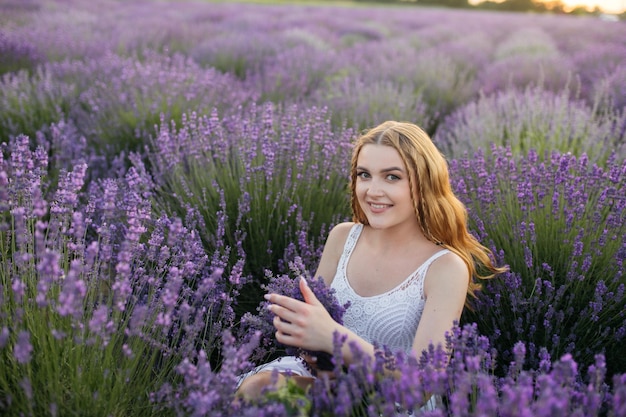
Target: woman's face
382 187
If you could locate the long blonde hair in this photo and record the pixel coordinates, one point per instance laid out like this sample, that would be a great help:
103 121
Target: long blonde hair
441 215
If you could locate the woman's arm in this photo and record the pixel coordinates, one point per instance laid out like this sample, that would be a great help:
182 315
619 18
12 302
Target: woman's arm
445 290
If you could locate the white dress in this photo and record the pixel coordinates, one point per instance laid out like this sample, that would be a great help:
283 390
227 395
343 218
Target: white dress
390 319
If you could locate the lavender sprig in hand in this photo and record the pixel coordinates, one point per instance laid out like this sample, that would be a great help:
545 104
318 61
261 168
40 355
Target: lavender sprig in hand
288 286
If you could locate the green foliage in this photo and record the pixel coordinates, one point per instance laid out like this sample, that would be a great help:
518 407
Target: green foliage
12 64
293 397
228 63
442 83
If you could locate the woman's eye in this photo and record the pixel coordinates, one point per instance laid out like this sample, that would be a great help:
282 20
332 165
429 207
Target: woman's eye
363 174
392 177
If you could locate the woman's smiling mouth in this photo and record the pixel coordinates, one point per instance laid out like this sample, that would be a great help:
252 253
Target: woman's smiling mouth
377 206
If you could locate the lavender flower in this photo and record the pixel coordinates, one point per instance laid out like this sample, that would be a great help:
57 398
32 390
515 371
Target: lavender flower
73 292
4 337
23 349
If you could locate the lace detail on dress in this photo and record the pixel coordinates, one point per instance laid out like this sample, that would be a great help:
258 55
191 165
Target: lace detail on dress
390 318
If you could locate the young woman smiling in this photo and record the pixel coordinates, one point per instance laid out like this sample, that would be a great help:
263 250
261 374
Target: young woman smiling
406 264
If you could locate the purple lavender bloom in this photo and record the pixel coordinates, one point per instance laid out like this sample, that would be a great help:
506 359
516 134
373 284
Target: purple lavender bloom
49 272
23 349
4 337
66 197
73 291
618 407
99 319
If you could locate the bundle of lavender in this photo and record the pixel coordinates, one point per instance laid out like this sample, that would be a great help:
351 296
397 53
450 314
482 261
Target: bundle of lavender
288 285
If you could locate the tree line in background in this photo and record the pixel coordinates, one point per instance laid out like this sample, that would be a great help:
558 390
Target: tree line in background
555 6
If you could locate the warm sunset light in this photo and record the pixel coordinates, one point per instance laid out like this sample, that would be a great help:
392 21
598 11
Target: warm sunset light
608 6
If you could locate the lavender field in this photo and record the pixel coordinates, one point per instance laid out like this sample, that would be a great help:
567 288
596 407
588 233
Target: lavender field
163 163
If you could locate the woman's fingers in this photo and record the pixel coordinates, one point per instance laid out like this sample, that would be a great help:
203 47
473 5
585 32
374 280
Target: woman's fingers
282 324
284 301
284 313
289 324
287 333
289 309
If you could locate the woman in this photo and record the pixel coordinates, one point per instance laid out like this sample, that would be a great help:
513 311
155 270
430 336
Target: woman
406 263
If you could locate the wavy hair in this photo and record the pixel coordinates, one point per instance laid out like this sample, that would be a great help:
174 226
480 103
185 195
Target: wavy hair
441 215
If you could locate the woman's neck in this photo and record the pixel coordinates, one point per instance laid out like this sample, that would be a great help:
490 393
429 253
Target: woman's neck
395 239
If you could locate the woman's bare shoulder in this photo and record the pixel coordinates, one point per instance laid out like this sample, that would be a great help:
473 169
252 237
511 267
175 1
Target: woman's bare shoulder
448 271
332 251
341 230
338 236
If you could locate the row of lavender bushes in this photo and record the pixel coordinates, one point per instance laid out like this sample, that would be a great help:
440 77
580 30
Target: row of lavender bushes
159 162
116 69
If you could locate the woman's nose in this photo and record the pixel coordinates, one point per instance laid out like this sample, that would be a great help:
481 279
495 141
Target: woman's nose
375 188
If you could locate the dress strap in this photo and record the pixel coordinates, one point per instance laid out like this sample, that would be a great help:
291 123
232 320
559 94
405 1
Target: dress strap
353 237
433 258
418 276
348 247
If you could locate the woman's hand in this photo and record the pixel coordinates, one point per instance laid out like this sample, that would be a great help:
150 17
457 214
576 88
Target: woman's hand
304 324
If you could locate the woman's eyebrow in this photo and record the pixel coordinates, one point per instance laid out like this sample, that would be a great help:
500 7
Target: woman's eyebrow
390 169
